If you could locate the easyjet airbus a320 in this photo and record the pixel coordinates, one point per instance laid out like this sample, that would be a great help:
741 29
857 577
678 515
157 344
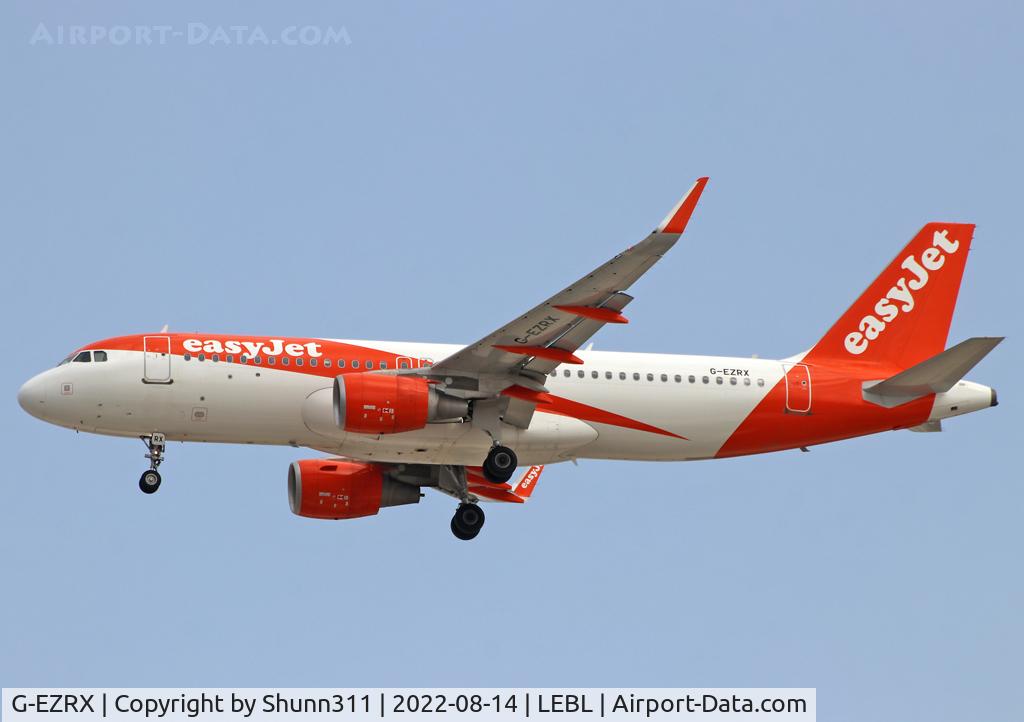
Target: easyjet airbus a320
398 417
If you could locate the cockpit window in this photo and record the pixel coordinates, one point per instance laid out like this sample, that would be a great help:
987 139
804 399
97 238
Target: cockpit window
84 357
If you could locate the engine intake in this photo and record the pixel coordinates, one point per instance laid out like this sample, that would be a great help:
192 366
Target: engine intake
339 489
389 404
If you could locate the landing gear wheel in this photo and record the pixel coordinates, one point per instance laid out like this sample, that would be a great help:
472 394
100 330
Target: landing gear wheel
459 534
468 521
500 464
149 481
155 443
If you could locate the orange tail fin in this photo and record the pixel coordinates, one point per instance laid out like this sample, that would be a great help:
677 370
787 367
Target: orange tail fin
903 317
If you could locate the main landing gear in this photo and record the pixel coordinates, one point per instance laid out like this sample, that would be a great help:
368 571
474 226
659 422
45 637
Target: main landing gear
498 468
468 521
149 482
500 464
469 517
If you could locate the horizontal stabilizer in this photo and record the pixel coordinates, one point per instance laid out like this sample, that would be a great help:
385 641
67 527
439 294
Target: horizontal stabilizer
927 426
935 375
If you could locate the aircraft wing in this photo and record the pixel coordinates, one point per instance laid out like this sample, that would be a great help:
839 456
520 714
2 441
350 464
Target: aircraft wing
534 344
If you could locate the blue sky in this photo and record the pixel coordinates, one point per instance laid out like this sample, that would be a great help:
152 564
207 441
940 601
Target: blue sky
447 168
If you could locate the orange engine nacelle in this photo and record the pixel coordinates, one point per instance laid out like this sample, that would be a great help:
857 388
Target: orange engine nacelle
388 404
339 489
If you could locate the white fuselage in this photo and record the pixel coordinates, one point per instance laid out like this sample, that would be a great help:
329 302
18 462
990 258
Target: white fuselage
234 403
613 406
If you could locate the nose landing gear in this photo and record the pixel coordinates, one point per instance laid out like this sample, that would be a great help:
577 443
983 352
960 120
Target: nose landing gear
149 482
468 521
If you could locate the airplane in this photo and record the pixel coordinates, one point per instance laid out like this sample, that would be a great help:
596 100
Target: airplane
395 418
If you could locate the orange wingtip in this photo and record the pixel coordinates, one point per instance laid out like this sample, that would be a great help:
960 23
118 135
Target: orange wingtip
528 482
495 494
678 217
480 486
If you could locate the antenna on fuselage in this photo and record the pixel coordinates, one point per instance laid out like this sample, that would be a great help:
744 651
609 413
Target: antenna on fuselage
164 329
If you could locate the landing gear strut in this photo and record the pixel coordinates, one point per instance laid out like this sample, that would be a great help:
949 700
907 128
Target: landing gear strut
149 482
468 521
500 464
469 518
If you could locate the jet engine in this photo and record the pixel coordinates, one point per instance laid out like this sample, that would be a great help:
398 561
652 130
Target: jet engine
340 489
389 404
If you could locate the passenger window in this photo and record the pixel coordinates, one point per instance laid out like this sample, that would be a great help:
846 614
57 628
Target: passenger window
355 364
243 359
732 381
636 376
552 374
608 374
285 361
746 381
99 356
593 374
258 359
215 357
271 360
369 365
580 373
298 362
383 364
704 379
405 365
718 380
201 357
230 358
187 356
341 363
679 379
327 363
664 377
312 362
84 357
622 375
692 379
650 377
760 382
567 373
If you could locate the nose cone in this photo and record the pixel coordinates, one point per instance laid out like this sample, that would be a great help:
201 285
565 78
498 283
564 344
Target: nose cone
32 396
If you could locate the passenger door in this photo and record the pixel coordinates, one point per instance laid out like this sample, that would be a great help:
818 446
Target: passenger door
157 355
798 388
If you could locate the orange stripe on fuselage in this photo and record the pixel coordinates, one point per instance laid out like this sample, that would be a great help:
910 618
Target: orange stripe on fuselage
565 407
309 349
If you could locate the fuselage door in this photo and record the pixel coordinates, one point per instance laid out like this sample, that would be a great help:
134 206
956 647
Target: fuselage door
798 388
157 354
